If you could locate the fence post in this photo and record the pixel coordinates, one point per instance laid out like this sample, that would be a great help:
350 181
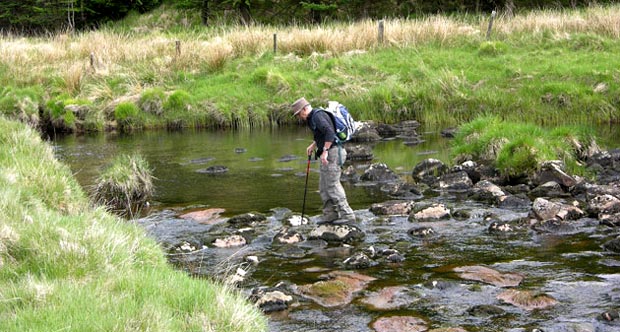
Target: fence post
380 35
92 61
491 24
275 43
178 47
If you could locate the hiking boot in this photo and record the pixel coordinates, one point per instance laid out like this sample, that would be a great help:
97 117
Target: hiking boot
341 222
350 218
326 220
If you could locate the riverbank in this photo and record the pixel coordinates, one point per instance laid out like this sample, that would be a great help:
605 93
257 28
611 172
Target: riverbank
65 265
147 72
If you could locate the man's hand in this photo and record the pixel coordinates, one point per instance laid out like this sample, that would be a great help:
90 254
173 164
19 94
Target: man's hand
310 149
324 157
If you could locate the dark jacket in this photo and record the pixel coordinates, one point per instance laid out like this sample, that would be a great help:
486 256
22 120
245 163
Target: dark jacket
322 127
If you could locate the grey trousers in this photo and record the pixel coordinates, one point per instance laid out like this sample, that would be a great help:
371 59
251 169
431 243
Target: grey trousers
335 204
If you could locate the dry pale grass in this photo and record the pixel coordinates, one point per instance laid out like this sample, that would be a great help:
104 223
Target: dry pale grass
68 56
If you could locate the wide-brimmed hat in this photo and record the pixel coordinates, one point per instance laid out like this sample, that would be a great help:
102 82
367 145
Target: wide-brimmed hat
299 105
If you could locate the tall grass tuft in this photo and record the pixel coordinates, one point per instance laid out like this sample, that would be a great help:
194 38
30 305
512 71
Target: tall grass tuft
125 186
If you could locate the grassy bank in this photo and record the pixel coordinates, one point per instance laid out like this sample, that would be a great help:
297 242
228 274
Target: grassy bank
65 266
546 67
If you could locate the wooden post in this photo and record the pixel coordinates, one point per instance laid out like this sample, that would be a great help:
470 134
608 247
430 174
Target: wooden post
381 29
275 43
490 25
92 61
178 47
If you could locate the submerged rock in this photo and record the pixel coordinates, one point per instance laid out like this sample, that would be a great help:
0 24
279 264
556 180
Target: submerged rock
337 289
247 218
527 300
218 169
612 245
399 324
208 216
392 208
390 298
489 276
485 310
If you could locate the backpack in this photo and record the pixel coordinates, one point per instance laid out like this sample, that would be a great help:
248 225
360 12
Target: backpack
343 121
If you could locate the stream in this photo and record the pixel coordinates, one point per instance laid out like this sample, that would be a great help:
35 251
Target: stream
266 172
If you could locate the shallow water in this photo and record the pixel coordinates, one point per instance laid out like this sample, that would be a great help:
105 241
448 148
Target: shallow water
571 267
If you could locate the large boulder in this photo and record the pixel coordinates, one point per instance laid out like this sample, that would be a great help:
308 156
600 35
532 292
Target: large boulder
428 171
543 209
553 170
379 172
486 191
457 181
359 152
366 132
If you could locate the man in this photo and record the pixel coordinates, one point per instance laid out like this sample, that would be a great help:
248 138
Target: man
336 209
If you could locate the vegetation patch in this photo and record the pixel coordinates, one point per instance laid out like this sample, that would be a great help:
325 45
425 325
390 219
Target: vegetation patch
125 186
517 149
66 266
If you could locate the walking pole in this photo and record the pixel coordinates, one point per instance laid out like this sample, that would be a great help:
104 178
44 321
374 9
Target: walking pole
303 207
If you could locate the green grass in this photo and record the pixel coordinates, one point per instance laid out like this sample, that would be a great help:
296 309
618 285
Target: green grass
548 67
66 266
